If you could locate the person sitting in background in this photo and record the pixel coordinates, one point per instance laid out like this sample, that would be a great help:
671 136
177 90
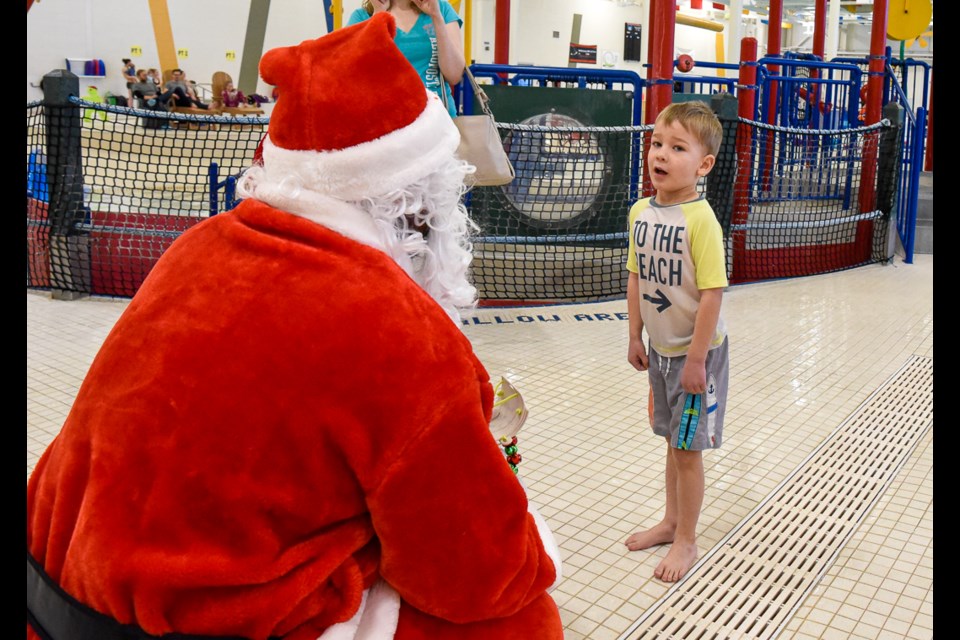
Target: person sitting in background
146 90
182 93
232 97
154 76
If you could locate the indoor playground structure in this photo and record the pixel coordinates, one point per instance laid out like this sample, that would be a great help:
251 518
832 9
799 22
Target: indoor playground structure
818 170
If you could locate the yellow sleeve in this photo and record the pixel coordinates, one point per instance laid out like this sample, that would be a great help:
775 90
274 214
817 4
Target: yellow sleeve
632 251
707 250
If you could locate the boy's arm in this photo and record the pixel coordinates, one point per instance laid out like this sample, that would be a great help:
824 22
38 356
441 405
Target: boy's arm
693 379
636 353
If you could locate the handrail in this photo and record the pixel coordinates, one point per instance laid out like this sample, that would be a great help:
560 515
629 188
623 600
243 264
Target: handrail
904 101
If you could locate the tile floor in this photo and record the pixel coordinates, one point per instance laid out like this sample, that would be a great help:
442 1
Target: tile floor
804 354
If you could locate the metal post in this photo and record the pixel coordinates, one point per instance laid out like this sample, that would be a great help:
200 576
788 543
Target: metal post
213 179
819 39
915 169
734 28
833 30
720 183
774 27
746 98
867 198
69 246
891 182
501 45
928 164
660 69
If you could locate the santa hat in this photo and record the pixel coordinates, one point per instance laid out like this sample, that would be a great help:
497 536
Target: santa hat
353 118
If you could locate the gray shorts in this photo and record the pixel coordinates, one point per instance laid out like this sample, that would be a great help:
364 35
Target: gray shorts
690 421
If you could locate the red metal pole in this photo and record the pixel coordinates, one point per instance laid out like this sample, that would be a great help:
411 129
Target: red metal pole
928 164
820 27
660 68
746 103
663 20
501 45
867 198
774 28
819 42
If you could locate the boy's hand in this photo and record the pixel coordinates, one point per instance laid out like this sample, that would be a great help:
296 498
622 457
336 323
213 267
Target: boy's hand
693 378
637 355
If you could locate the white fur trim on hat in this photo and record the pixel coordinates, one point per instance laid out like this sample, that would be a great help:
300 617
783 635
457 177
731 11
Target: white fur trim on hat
372 168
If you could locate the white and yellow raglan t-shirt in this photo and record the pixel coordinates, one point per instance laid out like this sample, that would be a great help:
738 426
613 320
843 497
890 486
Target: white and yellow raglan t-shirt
676 251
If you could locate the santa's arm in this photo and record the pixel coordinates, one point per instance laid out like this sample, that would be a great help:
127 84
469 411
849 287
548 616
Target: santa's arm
457 539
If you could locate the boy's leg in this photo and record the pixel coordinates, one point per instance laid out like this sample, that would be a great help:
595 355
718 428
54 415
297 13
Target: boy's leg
662 532
689 489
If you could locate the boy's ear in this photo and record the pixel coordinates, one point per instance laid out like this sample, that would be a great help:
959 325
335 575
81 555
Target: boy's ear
706 165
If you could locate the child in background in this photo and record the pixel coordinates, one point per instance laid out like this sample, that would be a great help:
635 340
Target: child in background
232 97
677 273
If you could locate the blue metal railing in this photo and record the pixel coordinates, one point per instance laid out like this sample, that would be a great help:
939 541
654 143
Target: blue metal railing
229 186
912 140
829 101
619 79
708 85
907 83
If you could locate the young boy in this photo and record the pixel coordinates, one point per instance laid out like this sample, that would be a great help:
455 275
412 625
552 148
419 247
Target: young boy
674 290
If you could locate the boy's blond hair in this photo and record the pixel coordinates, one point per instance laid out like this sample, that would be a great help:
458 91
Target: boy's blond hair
697 118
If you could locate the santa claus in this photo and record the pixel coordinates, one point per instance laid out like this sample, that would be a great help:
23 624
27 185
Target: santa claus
286 434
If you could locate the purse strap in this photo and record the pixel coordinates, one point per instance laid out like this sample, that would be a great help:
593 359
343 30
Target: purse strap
477 91
480 93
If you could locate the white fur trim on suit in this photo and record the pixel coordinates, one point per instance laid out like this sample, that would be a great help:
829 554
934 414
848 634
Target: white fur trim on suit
549 542
373 168
376 619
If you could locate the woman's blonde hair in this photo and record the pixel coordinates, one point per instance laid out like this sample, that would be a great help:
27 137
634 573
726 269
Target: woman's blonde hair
368 6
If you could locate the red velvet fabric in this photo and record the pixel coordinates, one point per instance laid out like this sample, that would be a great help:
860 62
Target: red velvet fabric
346 88
280 416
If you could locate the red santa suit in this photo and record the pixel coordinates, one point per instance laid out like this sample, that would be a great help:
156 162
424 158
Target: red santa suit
284 431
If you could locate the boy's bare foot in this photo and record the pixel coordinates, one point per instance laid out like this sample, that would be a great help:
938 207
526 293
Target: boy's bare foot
679 559
659 534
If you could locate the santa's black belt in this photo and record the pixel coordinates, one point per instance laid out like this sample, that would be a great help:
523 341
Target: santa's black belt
55 615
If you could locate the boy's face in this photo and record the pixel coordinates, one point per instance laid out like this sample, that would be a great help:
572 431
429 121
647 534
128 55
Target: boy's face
676 162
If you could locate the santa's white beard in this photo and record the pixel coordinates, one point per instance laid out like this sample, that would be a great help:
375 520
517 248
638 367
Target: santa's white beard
438 260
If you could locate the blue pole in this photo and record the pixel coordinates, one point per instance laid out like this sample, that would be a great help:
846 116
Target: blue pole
213 173
916 167
230 192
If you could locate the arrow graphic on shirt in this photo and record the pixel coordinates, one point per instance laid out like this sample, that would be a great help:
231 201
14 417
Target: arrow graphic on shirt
661 301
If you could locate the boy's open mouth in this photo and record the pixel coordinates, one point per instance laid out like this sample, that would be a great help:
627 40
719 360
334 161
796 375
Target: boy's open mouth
660 172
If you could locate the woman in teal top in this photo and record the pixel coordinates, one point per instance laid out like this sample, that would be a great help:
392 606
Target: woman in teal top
428 34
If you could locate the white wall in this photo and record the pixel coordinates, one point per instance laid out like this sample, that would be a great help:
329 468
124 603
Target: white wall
533 23
107 29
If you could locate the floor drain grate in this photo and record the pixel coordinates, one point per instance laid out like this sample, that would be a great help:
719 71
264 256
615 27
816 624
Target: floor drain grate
754 580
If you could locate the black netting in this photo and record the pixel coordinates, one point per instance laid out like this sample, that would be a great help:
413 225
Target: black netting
558 231
109 188
811 201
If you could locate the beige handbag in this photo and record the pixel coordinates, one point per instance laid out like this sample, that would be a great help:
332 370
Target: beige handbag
480 143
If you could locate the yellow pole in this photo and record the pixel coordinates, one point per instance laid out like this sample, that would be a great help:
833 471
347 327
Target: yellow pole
700 23
163 33
720 49
337 8
467 30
